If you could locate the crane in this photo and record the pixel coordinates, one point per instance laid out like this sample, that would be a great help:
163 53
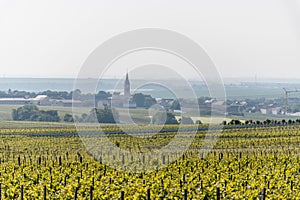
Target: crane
287 92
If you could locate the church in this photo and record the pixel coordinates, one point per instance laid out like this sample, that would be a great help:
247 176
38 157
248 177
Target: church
121 100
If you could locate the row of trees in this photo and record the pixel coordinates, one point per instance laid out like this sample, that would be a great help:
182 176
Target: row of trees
108 115
96 115
265 122
105 115
169 118
53 94
32 113
143 101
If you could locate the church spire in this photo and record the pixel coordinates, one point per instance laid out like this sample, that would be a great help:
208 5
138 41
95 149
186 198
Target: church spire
127 86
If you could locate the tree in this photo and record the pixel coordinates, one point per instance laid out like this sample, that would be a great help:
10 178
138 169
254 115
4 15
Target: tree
84 118
25 112
235 122
105 115
32 113
68 118
171 119
186 120
145 101
102 95
139 99
76 94
164 118
149 101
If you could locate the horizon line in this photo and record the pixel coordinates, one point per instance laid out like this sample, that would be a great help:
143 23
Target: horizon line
117 77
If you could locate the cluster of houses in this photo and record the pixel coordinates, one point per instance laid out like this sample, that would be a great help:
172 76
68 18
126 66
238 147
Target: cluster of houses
240 107
121 100
125 100
118 99
266 109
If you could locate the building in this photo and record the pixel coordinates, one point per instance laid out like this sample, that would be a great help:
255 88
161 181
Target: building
271 109
127 87
236 107
266 111
165 102
120 100
38 100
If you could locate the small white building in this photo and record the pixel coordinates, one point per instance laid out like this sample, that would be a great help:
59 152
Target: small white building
266 111
40 100
271 110
276 111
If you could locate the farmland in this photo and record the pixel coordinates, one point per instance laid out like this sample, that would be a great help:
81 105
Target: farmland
242 163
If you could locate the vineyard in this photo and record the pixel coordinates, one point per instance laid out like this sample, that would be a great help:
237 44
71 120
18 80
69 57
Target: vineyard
246 163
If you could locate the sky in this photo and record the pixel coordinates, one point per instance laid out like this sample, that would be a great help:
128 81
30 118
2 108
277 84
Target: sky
243 38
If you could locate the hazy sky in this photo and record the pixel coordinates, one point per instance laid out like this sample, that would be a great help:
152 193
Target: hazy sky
243 38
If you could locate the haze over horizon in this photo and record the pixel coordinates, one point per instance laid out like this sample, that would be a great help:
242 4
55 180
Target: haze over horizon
52 39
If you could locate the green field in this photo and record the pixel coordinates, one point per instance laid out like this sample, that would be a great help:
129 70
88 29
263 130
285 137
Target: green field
241 164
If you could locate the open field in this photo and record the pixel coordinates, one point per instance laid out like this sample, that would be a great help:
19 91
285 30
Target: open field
241 164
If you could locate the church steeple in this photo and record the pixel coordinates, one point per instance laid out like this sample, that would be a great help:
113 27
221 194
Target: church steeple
127 86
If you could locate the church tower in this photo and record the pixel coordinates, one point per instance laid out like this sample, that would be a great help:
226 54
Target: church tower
127 86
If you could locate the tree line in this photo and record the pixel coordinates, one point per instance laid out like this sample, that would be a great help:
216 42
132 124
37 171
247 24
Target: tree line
54 94
96 115
33 113
265 122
